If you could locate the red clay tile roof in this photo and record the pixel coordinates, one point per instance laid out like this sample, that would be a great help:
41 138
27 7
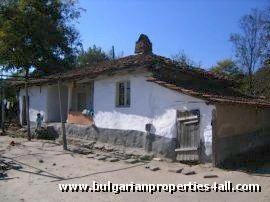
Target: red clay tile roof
129 62
153 62
212 97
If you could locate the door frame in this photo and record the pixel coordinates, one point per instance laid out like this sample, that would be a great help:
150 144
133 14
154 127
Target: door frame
24 121
183 119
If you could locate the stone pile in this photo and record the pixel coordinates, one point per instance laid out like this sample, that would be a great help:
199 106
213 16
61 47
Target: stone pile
112 153
7 164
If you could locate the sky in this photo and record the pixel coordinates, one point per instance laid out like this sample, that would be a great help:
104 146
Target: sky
200 28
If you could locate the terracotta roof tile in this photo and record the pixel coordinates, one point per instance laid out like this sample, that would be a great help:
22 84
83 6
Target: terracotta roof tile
151 62
133 61
213 97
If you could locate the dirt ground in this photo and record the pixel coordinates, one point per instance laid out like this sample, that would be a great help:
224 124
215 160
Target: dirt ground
37 181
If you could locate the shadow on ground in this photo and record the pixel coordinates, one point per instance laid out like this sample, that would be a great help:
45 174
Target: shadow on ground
255 162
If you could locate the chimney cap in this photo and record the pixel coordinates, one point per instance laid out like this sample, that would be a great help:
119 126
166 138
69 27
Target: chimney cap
143 45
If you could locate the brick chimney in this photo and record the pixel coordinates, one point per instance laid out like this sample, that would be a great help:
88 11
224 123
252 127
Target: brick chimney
143 45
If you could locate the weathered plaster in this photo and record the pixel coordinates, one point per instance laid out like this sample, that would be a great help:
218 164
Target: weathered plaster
37 102
150 103
44 100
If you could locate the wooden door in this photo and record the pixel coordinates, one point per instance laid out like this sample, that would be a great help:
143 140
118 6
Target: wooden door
188 127
81 101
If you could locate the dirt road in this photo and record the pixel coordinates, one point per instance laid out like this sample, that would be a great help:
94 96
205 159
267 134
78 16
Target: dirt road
45 162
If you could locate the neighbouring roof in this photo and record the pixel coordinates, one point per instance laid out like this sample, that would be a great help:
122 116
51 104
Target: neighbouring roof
210 96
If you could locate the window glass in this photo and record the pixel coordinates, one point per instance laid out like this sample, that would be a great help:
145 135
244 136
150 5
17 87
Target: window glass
123 94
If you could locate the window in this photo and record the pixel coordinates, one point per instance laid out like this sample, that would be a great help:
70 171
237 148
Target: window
81 101
123 94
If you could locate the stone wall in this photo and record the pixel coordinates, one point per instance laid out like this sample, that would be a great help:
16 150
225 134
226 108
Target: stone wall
128 138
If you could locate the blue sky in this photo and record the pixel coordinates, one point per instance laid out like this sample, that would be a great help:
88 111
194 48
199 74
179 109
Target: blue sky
199 27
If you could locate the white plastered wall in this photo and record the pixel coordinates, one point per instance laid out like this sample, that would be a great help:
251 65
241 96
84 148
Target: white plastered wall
37 102
150 103
44 100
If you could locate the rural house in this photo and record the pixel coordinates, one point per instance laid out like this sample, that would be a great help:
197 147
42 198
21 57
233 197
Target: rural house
185 113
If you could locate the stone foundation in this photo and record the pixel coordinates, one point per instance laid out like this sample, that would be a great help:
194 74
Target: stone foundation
128 138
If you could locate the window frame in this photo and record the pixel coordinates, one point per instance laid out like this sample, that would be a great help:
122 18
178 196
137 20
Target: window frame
127 94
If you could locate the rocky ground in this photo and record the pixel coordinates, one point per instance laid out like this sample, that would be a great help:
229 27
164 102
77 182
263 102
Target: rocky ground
31 171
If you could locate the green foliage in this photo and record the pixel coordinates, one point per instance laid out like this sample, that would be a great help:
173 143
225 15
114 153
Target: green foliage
92 56
262 80
227 67
38 34
95 55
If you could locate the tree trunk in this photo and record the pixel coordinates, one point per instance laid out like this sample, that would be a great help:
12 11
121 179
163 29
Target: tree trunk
250 81
27 104
2 107
61 117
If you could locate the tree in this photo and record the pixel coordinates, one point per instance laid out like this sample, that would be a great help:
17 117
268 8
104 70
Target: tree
227 67
262 80
95 55
251 45
266 25
92 56
182 58
37 34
